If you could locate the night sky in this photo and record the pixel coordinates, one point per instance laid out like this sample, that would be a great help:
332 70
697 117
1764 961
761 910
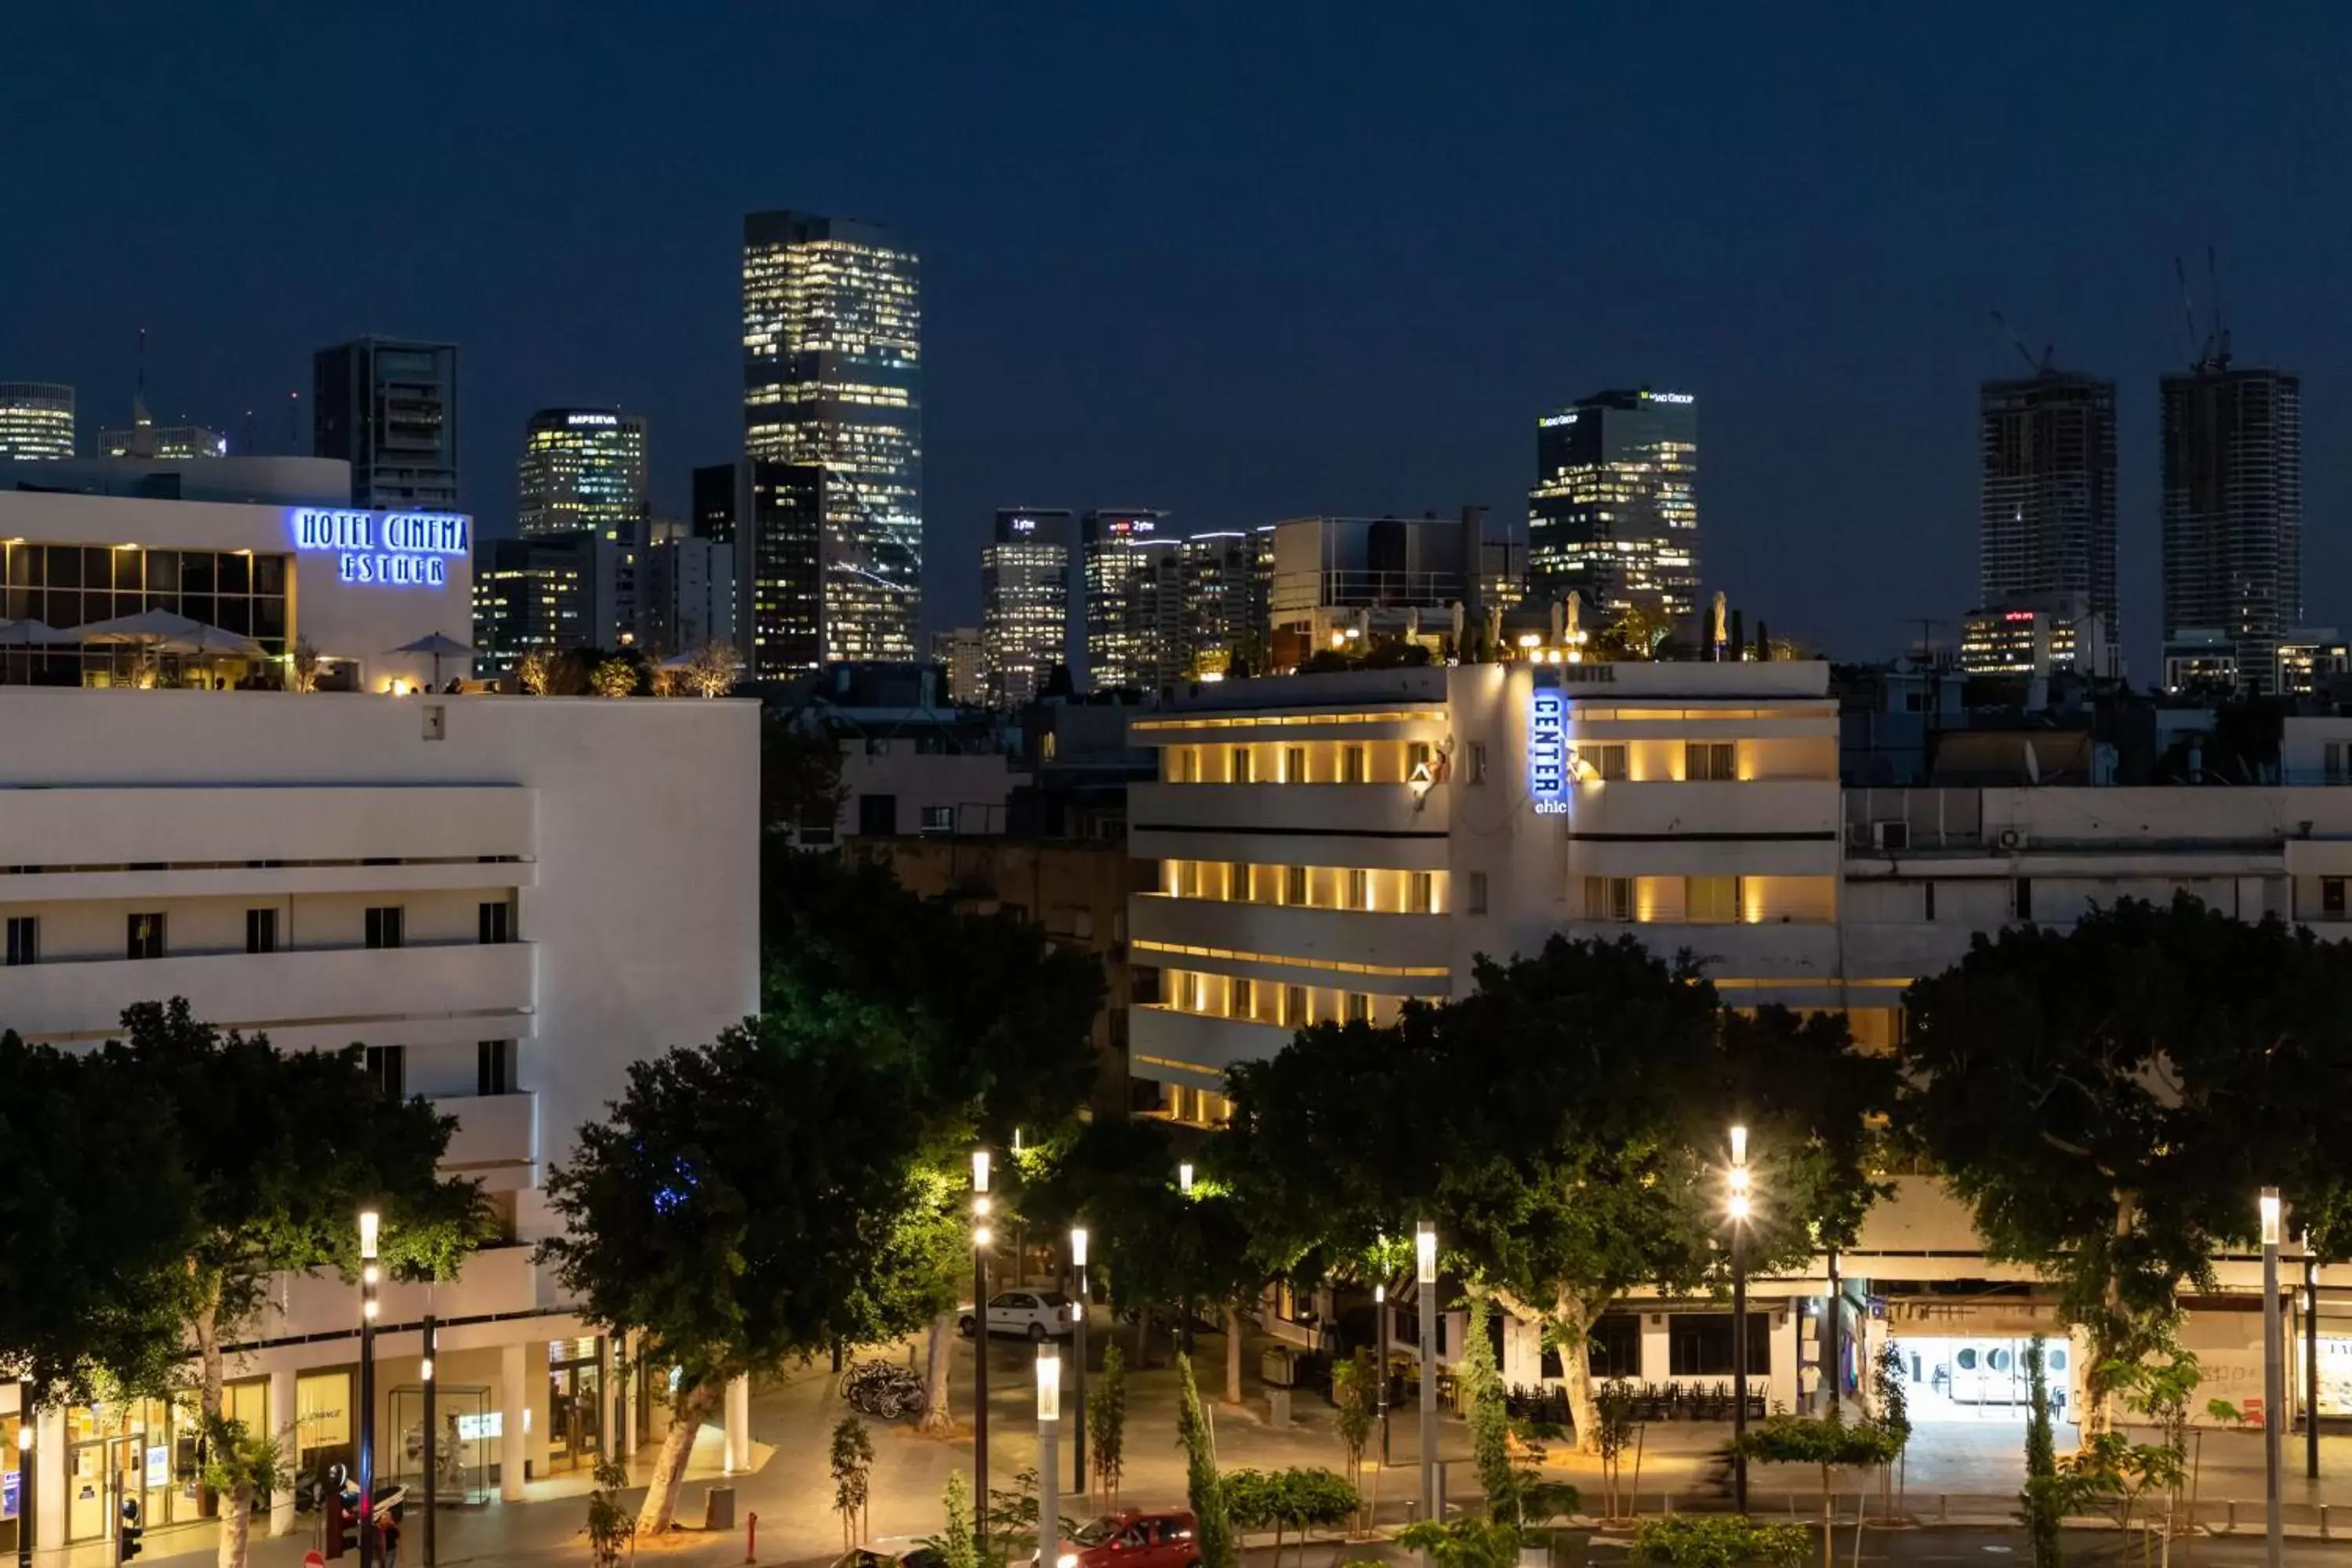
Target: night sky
1246 261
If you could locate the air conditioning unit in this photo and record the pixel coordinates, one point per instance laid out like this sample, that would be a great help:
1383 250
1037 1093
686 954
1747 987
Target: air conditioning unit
1890 836
2011 838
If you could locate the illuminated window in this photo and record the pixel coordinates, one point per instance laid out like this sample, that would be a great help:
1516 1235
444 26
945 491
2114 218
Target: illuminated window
1360 890
1293 1007
1360 1007
1710 760
1351 764
1294 884
1419 892
1294 765
1241 768
1238 882
1711 900
1244 999
1608 898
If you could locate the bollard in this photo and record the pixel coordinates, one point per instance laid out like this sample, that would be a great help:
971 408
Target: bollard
2323 1521
750 1538
1666 1504
1943 1507
2233 1514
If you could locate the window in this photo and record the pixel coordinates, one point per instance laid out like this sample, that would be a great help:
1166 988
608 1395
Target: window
1293 1007
1360 1007
877 813
1241 769
1351 764
262 931
1360 890
494 920
1416 755
494 1067
1604 761
1608 898
1477 903
387 1068
1615 1346
1929 902
1294 884
2334 758
2022 897
1717 760
1238 882
1419 892
1244 999
1476 763
146 936
1294 765
24 940
1699 1344
1188 878
1711 900
386 926
2331 898
939 819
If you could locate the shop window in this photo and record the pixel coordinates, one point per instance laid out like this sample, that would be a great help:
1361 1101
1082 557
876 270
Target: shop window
386 926
494 1067
387 1068
262 931
494 920
1477 901
146 935
24 940
1615 1346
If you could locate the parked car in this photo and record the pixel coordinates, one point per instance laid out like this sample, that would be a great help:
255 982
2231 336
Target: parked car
1034 1315
1133 1538
890 1552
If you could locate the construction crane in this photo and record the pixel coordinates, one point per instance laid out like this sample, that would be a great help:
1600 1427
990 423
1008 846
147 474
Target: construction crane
2213 353
2045 365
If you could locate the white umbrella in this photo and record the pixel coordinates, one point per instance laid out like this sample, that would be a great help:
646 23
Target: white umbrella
437 647
213 641
148 629
32 634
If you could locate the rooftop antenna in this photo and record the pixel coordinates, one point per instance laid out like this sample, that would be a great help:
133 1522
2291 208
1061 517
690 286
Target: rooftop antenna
293 409
2045 365
2220 353
249 430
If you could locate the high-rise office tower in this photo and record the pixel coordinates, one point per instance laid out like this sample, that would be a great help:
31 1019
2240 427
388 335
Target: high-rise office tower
1135 601
1024 601
1613 515
2046 505
689 595
832 375
2232 474
961 651
1225 617
546 593
390 410
582 468
774 519
37 420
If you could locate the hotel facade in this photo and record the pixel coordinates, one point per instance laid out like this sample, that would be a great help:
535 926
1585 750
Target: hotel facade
1331 846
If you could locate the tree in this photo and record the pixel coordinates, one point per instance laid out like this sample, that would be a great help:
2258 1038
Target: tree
1354 1398
711 672
800 778
852 1468
1218 1545
535 673
615 677
1106 1425
1564 1126
1464 1542
1614 1429
1717 1541
240 1465
1300 1497
2040 1504
1890 1395
611 1528
2108 1099
744 1206
1481 1384
956 1543
1829 1441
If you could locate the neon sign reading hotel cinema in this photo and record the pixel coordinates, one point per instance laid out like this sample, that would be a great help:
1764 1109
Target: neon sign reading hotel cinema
390 549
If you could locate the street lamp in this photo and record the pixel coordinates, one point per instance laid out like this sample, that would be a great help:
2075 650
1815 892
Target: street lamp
2310 1357
25 1420
1049 1427
1078 1307
1381 1364
1740 1208
981 1238
369 1275
430 1341
1184 1178
1184 1309
1425 1253
2274 1377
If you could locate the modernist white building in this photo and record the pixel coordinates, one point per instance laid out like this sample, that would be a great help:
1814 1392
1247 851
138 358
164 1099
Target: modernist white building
507 899
1327 847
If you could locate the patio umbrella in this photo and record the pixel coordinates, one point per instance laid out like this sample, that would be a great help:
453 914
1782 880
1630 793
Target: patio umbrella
148 629
437 647
32 634
214 642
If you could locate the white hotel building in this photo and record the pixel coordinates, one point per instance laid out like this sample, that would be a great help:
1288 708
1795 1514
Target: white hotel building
1327 847
508 900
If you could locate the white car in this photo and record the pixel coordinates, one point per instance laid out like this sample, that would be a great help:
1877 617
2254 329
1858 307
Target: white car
1033 1314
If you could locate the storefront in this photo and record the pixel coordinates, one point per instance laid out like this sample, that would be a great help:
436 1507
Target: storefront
575 1404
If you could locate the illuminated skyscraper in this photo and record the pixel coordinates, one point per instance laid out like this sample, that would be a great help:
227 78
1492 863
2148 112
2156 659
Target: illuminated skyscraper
1614 511
832 375
2046 508
582 469
1135 601
1024 602
2233 513
390 410
37 420
1225 607
959 650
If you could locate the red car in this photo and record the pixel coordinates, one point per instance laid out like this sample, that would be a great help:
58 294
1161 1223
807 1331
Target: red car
1135 1538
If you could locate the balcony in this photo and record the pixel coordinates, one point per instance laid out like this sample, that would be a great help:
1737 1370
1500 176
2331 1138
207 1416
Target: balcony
239 822
496 1139
497 1280
1195 1049
1379 827
1291 930
83 1000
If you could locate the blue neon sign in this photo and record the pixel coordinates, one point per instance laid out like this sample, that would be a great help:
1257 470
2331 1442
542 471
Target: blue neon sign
386 549
1548 744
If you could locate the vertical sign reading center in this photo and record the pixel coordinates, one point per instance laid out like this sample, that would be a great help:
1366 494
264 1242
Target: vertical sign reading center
1548 745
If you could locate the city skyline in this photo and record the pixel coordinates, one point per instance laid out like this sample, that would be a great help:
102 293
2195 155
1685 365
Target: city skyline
1836 339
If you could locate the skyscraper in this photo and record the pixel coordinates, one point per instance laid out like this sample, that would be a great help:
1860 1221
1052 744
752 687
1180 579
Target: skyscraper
390 410
775 521
1135 601
37 420
2046 503
1225 611
1024 602
832 375
2232 477
1614 514
582 468
959 650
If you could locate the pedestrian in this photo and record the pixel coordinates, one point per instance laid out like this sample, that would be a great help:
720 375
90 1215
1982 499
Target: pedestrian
388 1538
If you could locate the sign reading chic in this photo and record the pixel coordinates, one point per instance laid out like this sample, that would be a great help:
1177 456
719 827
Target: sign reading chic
1548 746
390 549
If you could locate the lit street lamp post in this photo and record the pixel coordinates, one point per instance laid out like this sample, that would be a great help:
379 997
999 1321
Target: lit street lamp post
1078 1301
1740 1208
981 1238
2273 1379
2310 1358
431 1340
25 1416
1049 1427
1380 1364
1424 1242
1184 1307
370 1274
